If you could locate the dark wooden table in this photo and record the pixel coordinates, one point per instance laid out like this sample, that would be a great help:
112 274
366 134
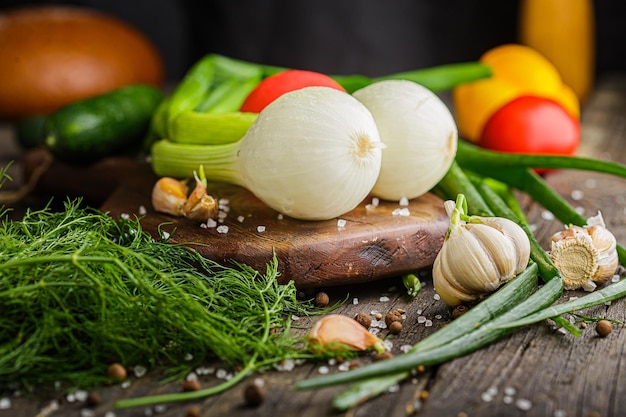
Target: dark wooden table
537 371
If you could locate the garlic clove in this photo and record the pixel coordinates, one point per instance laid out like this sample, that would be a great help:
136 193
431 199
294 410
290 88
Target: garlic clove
516 235
199 205
585 256
336 330
169 196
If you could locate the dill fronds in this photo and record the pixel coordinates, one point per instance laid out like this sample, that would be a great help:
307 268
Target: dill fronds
79 290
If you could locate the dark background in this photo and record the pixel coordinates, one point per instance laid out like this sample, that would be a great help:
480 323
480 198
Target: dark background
371 37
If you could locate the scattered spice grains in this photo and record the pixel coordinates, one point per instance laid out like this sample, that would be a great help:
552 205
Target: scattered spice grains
193 411
117 372
254 393
395 327
190 385
604 328
459 310
93 399
393 316
364 320
321 299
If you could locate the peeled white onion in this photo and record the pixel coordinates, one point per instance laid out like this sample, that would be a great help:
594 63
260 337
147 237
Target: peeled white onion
312 154
420 135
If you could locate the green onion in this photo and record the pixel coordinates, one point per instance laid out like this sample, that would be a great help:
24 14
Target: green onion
438 78
210 128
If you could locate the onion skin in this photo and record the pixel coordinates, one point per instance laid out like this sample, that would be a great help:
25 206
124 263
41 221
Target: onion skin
312 154
419 132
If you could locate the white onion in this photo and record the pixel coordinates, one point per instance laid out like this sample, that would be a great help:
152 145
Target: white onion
312 154
419 133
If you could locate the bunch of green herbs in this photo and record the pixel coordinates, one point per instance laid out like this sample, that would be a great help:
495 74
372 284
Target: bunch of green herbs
80 290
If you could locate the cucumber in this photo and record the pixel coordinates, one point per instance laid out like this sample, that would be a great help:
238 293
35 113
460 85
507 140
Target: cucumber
31 131
103 125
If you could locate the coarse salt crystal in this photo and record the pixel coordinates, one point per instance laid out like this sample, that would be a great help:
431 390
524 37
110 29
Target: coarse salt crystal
577 194
405 348
436 297
383 299
5 403
323 369
401 212
109 414
355 301
428 323
523 404
126 384
240 219
139 371
375 201
547 215
125 216
404 202
260 229
211 223
81 395
142 210
222 229
192 376
280 216
160 408
87 412
341 223
510 391
345 366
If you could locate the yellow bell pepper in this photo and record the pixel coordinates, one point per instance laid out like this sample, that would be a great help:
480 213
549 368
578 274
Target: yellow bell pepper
517 71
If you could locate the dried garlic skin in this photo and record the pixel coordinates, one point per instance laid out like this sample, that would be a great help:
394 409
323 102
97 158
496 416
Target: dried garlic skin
477 257
169 196
336 329
199 205
586 256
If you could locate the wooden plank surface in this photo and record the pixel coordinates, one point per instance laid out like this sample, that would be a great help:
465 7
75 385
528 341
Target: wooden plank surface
552 373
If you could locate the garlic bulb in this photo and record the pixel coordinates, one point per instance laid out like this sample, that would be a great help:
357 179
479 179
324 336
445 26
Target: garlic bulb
419 132
478 255
585 256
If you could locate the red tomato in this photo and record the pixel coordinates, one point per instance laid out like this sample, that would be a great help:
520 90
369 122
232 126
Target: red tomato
532 125
276 85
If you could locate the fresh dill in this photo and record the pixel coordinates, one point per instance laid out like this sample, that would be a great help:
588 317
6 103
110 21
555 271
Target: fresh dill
79 290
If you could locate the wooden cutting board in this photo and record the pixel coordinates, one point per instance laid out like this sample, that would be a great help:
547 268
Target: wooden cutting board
374 243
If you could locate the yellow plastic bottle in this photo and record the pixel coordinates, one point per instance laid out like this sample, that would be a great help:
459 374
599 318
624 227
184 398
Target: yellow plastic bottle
563 31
